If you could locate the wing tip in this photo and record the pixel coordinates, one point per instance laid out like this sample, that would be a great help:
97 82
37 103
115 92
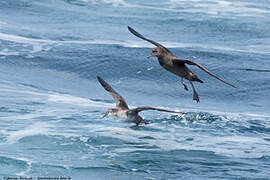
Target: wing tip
230 84
135 33
130 29
100 79
103 83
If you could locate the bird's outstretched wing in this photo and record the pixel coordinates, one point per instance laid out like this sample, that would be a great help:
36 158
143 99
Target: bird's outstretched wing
149 40
145 108
120 101
182 61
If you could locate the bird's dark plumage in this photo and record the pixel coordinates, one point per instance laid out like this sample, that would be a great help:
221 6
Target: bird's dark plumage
142 37
189 62
120 101
177 66
122 109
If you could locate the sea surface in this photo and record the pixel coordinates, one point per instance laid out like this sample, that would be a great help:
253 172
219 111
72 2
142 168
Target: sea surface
51 102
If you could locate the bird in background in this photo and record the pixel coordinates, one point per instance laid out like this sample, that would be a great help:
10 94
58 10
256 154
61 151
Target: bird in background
122 110
176 65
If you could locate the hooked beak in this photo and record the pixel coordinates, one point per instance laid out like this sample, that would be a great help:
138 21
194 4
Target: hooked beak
150 56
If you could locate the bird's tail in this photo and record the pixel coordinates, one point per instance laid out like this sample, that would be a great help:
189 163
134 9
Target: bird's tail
141 120
195 78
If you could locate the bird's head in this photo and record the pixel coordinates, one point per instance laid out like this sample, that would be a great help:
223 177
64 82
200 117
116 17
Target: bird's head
158 51
110 112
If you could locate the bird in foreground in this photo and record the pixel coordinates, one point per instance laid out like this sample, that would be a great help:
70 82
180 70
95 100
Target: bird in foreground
177 66
122 110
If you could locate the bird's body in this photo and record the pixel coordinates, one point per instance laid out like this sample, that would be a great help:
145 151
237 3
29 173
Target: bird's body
126 114
122 110
181 70
175 65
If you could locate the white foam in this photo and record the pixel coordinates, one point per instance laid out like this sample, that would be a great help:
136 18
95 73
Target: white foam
29 166
46 44
24 40
173 137
69 99
48 97
115 3
222 7
34 129
211 7
38 128
232 146
7 52
37 44
27 161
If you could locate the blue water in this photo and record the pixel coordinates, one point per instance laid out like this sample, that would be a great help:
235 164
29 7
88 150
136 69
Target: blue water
51 103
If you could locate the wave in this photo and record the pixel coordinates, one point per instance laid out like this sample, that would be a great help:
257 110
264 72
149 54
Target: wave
24 40
15 164
46 45
6 52
37 44
29 166
210 7
216 7
35 129
154 136
115 3
46 96
69 99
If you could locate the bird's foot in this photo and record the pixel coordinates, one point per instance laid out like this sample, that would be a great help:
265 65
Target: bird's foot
185 87
196 97
145 122
184 84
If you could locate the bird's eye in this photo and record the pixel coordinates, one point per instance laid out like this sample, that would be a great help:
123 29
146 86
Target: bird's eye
154 51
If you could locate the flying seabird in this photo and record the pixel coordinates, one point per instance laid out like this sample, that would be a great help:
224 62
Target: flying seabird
175 65
122 110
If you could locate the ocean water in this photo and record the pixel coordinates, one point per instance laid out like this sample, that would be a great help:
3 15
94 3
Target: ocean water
51 103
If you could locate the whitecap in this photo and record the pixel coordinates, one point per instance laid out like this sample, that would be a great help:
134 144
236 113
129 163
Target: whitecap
220 7
114 3
6 52
69 99
26 161
24 40
38 128
34 129
46 44
29 166
37 44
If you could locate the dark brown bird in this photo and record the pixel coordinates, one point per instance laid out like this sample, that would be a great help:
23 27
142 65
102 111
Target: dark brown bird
122 110
177 66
